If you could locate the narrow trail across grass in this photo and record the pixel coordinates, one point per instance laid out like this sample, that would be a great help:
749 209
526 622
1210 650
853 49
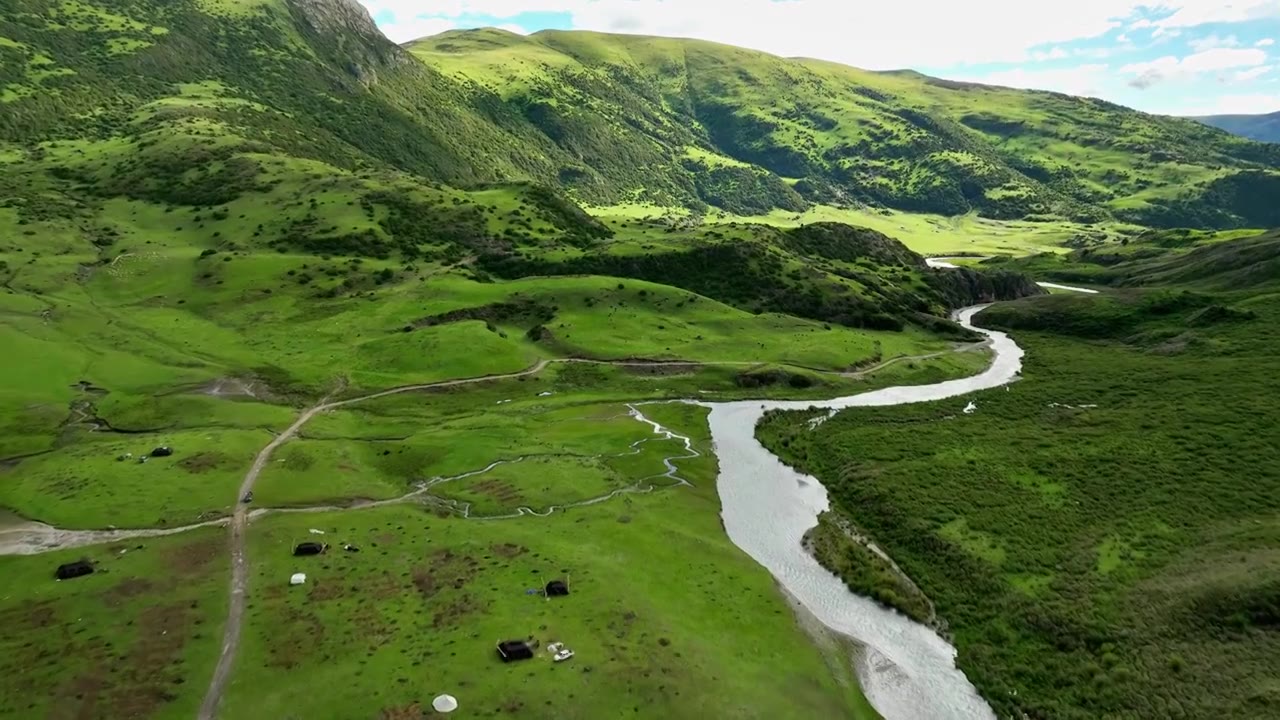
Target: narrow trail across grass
31 538
240 520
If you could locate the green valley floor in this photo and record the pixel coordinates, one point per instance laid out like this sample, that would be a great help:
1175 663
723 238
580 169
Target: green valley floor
665 611
1101 537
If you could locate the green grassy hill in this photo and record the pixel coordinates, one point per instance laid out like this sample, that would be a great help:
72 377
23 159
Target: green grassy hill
614 119
1101 536
213 212
194 190
747 132
1235 260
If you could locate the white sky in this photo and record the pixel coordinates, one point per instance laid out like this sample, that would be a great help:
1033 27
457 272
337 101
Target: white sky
1176 56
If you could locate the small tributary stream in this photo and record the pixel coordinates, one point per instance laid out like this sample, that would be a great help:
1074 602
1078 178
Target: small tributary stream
907 671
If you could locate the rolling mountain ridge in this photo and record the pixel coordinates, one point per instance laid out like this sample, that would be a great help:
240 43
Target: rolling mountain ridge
614 119
1264 128
748 131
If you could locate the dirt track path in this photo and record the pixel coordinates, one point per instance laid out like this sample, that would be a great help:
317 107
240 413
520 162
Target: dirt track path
31 538
239 522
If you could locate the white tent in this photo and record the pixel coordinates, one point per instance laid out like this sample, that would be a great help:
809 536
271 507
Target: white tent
298 579
445 704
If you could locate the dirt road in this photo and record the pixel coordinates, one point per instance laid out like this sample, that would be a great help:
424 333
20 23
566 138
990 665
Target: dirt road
239 522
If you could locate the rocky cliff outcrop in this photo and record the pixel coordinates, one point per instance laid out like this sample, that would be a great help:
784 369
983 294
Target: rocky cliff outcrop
344 30
346 16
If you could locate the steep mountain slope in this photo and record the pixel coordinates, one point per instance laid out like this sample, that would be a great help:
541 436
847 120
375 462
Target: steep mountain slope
613 118
195 190
1208 262
682 121
312 78
1265 128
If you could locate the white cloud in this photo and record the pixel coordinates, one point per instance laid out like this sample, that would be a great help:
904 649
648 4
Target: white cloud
416 27
1212 41
1251 74
1248 104
1100 53
456 8
1207 61
1086 80
865 33
414 19
1153 72
1054 54
1192 13
1265 42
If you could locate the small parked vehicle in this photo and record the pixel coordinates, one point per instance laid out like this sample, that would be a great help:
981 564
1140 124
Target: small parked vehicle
248 498
563 655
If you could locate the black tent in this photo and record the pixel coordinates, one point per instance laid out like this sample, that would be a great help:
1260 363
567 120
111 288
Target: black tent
163 451
557 588
74 569
510 650
309 548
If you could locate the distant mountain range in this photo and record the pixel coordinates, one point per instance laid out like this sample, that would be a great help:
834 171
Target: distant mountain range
1255 127
609 119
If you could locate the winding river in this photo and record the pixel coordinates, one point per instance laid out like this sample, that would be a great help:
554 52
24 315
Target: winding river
907 671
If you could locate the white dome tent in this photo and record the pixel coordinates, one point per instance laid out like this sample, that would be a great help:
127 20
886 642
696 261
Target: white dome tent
445 704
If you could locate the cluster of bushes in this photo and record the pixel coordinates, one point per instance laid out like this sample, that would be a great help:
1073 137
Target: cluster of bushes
1242 199
863 571
306 234
743 190
837 241
1089 560
769 378
524 310
412 222
417 227
744 274
578 227
1161 320
750 138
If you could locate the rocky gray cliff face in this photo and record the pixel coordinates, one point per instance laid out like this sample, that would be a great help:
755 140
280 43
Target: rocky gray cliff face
340 16
344 30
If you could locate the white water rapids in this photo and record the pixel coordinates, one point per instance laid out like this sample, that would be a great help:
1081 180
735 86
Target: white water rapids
907 671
